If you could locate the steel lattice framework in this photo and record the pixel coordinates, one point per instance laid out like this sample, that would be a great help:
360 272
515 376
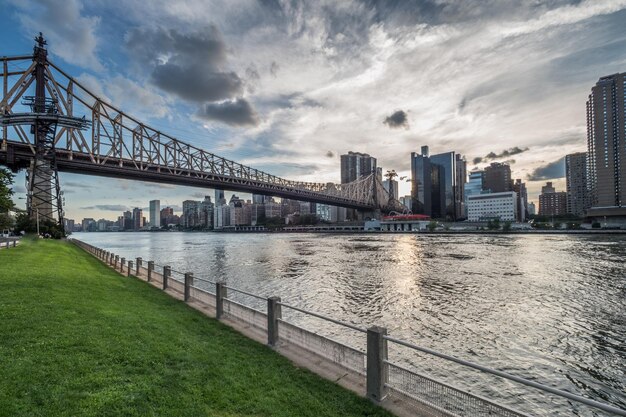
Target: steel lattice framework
116 144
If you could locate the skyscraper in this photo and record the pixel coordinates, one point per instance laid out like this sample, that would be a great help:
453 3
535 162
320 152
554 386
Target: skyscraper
498 178
392 187
551 202
434 184
576 183
606 147
155 214
137 218
522 200
355 165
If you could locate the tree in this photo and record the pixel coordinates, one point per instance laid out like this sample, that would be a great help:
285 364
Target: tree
6 203
493 224
431 226
6 180
506 227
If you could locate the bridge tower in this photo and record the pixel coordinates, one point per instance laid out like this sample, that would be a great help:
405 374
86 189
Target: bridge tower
45 198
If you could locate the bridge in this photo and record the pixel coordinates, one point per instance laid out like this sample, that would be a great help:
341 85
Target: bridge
64 127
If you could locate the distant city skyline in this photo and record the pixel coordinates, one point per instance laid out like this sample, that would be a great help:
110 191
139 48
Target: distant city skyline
300 85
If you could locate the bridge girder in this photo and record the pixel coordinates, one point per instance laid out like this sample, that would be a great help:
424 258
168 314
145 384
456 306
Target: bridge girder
119 145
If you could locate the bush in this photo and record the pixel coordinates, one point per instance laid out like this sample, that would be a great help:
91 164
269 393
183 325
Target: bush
431 226
506 227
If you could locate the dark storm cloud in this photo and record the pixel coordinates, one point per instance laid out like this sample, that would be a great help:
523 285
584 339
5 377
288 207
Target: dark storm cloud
236 112
549 171
107 207
397 120
192 66
330 154
189 65
504 154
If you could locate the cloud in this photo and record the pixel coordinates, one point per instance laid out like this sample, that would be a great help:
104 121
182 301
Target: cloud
330 154
70 35
107 207
504 154
397 120
548 171
236 112
274 68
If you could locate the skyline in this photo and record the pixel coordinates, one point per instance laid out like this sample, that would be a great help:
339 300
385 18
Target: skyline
288 81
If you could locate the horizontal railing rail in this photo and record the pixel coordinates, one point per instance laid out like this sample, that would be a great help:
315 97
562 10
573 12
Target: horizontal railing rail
321 316
542 387
382 375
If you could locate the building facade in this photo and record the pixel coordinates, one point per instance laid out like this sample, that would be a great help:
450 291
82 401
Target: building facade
355 165
435 187
155 214
138 219
606 147
498 178
576 183
392 188
489 206
551 202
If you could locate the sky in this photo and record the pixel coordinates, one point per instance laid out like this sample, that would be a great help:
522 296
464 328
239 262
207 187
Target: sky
288 86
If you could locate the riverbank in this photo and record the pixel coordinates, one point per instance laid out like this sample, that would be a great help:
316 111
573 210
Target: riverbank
79 339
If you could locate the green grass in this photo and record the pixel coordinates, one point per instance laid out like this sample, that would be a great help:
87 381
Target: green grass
79 339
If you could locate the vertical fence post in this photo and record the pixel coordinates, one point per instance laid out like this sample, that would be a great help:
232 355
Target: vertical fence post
167 273
14 243
273 314
150 269
138 266
188 284
122 265
376 368
130 268
8 244
220 293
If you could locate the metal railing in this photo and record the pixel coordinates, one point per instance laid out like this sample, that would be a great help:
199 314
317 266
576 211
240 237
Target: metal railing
383 378
8 243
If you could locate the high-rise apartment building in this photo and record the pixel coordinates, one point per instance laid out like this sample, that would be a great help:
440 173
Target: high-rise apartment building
155 214
522 200
392 187
551 202
355 165
205 215
138 221
576 183
498 178
461 179
434 185
606 147
191 213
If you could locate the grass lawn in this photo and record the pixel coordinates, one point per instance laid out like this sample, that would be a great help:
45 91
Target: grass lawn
78 339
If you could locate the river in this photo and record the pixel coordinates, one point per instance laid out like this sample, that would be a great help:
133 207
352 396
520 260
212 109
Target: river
548 308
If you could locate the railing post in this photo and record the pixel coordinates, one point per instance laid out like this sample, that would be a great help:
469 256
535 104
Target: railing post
117 259
122 265
138 266
273 314
150 269
130 268
167 273
188 284
220 293
14 243
376 368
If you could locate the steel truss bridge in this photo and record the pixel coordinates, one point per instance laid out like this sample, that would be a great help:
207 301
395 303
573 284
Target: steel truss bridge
65 127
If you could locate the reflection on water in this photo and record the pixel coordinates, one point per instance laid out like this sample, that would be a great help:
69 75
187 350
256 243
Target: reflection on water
549 308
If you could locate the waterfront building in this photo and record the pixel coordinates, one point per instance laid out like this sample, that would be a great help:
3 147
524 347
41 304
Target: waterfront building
473 186
191 213
606 147
257 213
128 221
240 212
205 215
288 206
155 214
434 188
305 208
332 214
489 206
102 224
220 198
531 209
497 178
355 165
576 183
221 216
88 224
551 202
165 213
138 219
68 225
522 200
272 209
460 181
